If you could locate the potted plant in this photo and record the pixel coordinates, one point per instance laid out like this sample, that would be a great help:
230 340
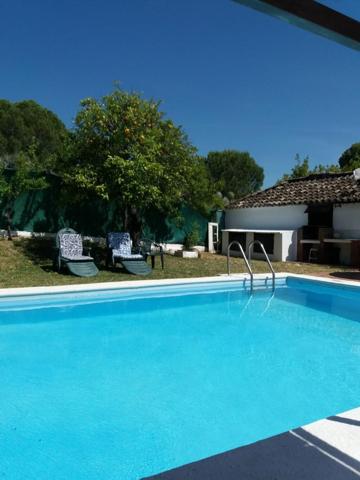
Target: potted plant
191 239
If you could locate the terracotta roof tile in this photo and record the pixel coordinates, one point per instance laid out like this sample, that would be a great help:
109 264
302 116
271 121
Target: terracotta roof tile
314 189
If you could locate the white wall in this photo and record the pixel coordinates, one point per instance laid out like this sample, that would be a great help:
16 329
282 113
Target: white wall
346 223
346 220
285 246
289 246
276 218
290 217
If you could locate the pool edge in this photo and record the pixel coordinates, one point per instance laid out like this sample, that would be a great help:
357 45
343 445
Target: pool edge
88 287
133 284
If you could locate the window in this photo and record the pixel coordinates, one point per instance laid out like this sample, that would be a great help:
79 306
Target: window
267 239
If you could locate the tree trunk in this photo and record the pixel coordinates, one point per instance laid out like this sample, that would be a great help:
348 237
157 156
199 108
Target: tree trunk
9 217
126 218
135 225
132 223
9 232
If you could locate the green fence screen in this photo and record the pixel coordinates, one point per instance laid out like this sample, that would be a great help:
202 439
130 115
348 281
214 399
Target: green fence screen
46 211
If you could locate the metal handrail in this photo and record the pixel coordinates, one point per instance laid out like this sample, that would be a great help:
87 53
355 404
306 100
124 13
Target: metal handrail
235 242
251 245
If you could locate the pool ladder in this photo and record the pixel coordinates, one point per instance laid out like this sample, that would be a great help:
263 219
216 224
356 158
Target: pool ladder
248 260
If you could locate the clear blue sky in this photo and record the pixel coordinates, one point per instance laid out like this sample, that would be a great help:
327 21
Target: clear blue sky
231 76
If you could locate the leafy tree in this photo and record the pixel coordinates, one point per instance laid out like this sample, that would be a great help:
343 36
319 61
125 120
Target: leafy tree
350 159
26 126
302 169
326 169
32 141
126 152
235 173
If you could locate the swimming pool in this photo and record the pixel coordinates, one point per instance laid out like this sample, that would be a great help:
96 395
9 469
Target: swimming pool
127 383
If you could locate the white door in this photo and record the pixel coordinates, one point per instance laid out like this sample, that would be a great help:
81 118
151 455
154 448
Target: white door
213 237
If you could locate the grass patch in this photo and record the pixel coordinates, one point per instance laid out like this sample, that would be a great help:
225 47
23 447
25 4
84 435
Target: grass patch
28 262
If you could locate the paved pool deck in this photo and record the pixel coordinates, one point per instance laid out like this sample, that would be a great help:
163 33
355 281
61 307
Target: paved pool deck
328 449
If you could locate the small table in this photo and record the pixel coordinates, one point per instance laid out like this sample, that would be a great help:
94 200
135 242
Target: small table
156 253
152 249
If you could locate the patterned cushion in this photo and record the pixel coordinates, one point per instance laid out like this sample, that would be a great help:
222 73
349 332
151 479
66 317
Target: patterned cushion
70 245
78 257
132 256
119 242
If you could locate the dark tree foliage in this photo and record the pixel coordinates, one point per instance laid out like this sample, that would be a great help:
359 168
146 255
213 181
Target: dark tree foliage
350 159
28 126
32 143
236 173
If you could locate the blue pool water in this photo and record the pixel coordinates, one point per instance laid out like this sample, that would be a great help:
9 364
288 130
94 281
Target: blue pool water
124 385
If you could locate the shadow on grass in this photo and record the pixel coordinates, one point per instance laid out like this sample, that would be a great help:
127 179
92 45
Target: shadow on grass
41 251
47 268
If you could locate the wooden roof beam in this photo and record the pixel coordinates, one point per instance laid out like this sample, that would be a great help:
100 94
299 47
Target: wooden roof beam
313 16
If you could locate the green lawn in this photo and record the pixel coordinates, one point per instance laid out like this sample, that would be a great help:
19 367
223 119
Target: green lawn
28 262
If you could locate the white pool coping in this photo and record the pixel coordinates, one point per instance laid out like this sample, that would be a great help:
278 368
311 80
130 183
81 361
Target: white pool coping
89 287
341 435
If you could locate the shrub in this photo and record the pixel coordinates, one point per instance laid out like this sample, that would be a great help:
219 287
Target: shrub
192 237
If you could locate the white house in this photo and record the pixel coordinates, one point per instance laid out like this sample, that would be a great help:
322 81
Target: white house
316 216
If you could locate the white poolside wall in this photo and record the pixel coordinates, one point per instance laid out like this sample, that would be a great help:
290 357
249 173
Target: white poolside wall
286 219
347 224
289 217
346 221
